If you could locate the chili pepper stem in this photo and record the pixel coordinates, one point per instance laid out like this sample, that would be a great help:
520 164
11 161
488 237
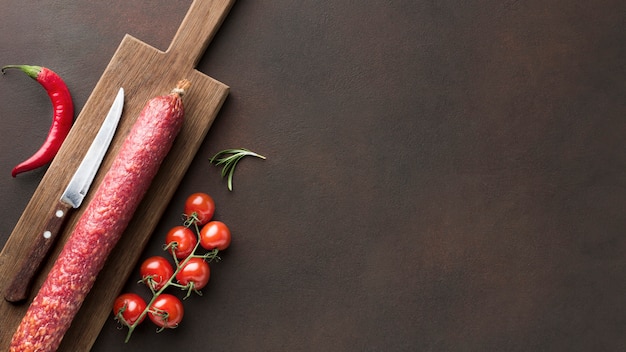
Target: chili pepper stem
30 70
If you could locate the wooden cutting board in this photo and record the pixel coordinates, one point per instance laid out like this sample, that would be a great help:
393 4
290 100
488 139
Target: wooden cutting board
143 72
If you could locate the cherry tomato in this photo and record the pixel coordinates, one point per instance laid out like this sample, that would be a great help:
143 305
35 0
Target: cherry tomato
131 306
215 234
185 240
156 271
202 205
195 271
166 311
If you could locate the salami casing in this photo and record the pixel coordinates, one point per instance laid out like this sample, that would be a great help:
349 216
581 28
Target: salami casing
99 228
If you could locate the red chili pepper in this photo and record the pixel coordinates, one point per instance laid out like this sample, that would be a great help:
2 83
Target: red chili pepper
62 119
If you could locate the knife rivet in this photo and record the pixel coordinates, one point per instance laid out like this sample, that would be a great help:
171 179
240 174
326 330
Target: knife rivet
59 213
47 234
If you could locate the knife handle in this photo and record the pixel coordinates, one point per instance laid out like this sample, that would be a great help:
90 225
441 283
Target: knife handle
21 283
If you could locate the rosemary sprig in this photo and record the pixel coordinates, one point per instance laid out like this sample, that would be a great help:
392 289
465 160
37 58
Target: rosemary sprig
229 158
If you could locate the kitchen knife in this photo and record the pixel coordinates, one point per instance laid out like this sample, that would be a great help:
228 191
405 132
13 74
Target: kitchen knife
19 288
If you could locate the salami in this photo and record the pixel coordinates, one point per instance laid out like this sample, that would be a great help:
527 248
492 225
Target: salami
101 225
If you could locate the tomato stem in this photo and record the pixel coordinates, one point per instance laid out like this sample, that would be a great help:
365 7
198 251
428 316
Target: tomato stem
173 253
191 219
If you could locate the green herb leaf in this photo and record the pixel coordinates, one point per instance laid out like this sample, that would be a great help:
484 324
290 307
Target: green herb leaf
228 159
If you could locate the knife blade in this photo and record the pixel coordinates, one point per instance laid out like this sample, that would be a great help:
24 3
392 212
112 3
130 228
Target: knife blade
76 190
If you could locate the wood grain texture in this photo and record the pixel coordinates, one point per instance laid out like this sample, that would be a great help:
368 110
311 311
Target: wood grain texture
143 72
21 280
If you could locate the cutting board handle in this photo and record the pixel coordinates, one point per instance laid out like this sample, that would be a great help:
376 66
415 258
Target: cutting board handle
202 20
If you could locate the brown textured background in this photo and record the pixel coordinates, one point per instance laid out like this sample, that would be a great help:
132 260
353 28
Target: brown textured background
441 176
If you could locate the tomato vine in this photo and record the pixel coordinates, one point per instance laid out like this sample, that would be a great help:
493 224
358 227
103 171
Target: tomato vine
189 273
